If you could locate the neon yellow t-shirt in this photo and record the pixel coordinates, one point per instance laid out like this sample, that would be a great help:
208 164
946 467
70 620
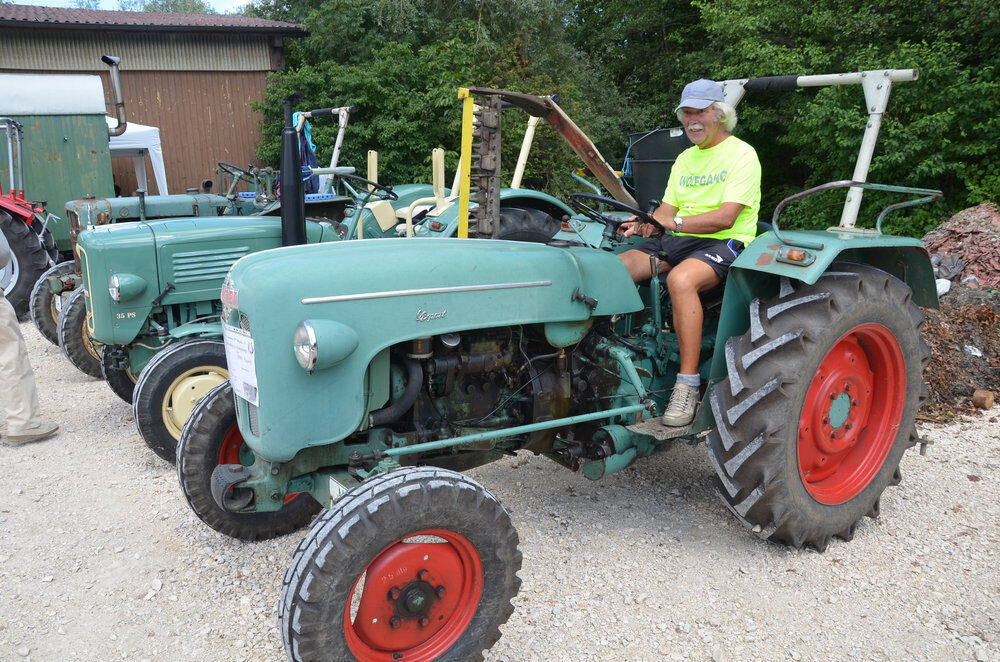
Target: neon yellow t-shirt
702 179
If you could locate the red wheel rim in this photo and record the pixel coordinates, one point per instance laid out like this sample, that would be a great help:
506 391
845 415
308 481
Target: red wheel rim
232 446
417 600
851 414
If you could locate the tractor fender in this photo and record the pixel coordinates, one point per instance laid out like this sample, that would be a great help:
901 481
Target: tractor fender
903 257
757 272
529 199
8 205
389 291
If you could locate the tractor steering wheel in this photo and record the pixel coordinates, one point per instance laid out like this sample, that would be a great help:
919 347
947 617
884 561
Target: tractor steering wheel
238 174
611 223
387 193
235 171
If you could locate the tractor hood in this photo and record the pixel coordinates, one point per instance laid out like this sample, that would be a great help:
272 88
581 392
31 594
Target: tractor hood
367 295
98 211
177 260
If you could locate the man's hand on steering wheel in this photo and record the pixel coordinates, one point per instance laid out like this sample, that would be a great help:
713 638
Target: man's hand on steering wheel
636 224
633 226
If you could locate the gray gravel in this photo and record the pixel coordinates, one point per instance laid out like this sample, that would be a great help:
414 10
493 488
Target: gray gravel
100 558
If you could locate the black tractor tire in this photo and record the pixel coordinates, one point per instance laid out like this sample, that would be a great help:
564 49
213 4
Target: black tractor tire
819 405
210 438
29 259
362 533
121 381
170 386
74 338
45 305
532 225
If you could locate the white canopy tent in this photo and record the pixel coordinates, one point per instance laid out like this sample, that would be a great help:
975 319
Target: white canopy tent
138 141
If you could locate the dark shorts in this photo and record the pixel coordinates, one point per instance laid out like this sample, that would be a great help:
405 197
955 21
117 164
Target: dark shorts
674 249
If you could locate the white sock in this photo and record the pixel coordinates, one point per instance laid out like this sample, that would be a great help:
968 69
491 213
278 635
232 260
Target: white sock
694 381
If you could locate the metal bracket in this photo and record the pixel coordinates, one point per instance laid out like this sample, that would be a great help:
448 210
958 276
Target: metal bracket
159 297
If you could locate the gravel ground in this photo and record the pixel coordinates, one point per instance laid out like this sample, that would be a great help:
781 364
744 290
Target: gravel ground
101 559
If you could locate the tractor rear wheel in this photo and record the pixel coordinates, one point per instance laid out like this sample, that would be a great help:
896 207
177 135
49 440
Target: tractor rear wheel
45 305
416 564
170 386
74 337
532 225
121 380
29 258
211 438
819 405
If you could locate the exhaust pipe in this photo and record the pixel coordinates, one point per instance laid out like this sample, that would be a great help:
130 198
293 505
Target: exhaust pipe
293 209
116 90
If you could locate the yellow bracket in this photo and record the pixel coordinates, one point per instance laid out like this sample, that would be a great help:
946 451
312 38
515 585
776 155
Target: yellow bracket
465 162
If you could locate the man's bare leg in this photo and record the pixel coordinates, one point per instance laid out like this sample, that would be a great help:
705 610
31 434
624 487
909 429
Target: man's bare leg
684 282
637 263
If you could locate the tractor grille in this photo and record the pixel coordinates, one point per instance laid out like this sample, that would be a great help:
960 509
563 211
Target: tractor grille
251 408
205 265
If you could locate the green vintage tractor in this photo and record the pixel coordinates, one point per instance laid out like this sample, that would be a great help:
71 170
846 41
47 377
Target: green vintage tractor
363 375
244 192
163 344
58 291
151 292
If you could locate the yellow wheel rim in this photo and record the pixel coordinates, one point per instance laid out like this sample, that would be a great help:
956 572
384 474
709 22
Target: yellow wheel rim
185 392
93 347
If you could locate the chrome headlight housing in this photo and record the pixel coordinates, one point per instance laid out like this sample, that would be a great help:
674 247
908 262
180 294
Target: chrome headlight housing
304 345
320 343
125 286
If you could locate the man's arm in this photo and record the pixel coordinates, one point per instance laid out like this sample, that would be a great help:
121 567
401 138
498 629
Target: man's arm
716 220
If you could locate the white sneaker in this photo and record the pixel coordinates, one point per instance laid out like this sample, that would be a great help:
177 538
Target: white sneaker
680 409
43 430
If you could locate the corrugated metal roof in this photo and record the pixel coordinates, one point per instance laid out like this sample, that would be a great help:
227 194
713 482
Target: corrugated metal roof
29 16
81 51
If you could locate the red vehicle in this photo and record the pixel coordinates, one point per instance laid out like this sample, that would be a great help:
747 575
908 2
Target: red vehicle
24 222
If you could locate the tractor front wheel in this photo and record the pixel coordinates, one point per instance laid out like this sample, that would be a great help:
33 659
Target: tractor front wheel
29 258
416 564
121 380
170 386
211 438
74 337
45 306
819 405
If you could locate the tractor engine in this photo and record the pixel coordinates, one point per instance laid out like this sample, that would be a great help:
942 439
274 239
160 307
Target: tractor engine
498 378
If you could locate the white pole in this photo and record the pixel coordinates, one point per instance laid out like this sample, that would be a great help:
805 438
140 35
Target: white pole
522 158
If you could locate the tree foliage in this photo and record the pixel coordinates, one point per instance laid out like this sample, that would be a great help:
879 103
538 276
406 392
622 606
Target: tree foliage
618 67
166 6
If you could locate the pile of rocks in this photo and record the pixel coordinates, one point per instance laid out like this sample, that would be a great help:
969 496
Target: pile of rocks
964 334
966 248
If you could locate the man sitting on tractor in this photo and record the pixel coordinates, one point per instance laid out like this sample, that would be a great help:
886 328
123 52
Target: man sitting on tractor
710 208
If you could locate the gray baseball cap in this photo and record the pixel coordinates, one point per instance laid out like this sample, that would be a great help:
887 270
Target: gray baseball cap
702 93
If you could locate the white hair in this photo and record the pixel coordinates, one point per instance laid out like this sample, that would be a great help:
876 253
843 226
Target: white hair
725 113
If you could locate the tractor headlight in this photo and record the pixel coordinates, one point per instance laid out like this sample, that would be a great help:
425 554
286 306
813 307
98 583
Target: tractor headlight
125 286
115 288
304 344
321 344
